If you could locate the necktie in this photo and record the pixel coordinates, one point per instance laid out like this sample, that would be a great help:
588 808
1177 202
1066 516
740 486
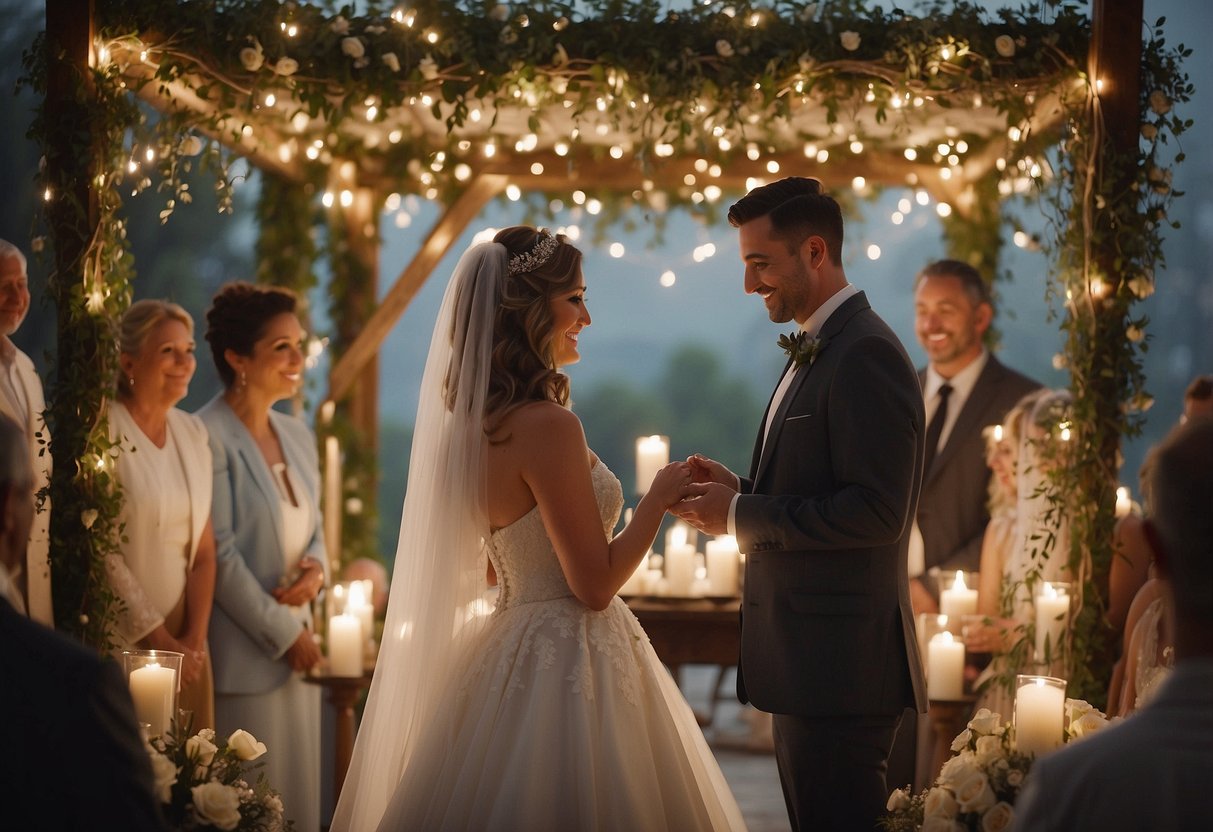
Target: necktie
936 427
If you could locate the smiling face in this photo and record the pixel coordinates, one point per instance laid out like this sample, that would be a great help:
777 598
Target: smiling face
274 368
948 323
570 315
14 295
788 281
159 375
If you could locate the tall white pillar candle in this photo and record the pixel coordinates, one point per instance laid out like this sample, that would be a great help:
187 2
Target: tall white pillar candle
652 454
332 497
345 645
1040 707
635 584
723 562
680 569
152 689
1052 610
958 599
359 605
945 667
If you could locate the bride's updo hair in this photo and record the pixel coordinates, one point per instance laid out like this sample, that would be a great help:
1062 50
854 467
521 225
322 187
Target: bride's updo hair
523 367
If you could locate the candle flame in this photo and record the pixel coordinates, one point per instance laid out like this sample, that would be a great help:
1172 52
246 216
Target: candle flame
998 433
960 580
678 535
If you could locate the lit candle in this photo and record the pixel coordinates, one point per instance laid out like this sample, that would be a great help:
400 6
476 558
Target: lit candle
677 535
652 454
332 497
359 605
635 584
680 569
723 561
345 645
945 667
958 600
1040 703
1052 607
1124 504
998 433
152 689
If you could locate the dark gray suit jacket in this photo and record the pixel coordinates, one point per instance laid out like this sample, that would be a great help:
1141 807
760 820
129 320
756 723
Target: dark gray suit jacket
824 520
952 511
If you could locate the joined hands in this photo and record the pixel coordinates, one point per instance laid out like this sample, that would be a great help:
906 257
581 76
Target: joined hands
707 497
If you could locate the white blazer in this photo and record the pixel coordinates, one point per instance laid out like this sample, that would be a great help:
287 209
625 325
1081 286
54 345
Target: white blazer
37 555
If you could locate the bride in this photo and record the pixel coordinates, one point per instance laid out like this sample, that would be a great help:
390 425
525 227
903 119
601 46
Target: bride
551 710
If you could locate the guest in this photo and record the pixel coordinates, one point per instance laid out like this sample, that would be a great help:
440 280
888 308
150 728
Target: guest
271 557
165 573
72 756
1198 398
1155 770
1148 651
22 401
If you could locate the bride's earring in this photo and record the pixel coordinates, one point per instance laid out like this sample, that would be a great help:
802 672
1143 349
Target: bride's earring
243 380
131 380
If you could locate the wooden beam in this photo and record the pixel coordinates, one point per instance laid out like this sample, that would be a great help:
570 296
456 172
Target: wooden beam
1114 63
443 235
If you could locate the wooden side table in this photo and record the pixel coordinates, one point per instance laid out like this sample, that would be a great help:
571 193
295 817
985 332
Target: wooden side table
948 718
343 694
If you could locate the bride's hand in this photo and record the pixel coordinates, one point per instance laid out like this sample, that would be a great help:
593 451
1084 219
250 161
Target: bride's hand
704 469
669 486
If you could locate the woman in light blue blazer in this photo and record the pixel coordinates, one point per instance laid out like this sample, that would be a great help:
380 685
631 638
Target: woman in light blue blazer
269 540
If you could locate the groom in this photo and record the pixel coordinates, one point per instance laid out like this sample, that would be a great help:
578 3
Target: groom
824 518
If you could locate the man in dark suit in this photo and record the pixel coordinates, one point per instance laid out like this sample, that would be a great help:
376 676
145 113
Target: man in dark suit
72 759
965 389
827 637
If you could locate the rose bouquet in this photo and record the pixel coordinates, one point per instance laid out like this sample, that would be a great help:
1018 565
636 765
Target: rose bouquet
977 788
202 785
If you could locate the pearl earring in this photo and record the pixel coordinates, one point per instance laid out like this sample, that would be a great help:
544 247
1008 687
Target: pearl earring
131 379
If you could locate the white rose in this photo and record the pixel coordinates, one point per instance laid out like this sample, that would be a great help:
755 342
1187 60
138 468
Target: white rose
1005 45
975 794
957 769
998 817
500 12
217 804
1142 286
1093 720
164 775
191 145
1134 334
988 748
201 748
286 66
88 517
353 47
245 745
252 57
390 59
898 800
807 13
986 721
340 26
428 68
939 804
849 40
1148 131
724 49
962 740
1060 362
1159 102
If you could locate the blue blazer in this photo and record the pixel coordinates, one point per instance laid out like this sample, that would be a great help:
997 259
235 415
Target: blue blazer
250 631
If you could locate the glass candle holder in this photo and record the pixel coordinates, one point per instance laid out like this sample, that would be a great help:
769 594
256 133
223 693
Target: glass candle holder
1040 712
958 594
153 677
927 626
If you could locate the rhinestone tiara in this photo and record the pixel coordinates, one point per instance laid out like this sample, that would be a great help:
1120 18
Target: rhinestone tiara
539 254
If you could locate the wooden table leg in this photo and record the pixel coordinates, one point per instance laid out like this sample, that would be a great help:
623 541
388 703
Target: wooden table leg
343 699
947 720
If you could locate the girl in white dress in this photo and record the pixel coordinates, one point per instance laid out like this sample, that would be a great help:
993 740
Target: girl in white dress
549 711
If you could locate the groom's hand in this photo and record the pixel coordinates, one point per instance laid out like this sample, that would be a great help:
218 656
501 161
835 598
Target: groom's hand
706 506
709 470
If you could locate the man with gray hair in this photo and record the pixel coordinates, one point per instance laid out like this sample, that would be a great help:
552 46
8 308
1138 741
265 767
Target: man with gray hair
22 401
72 756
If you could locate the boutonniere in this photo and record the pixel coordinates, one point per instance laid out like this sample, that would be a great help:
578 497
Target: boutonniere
801 348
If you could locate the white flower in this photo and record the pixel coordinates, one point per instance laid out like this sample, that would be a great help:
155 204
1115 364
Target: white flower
390 59
353 506
353 47
245 745
274 803
724 49
849 40
957 769
1148 131
1159 102
375 29
164 775
988 748
217 804
986 721
998 817
252 57
1060 362
286 66
962 740
428 68
975 794
898 800
88 517
939 804
191 146
202 748
37 244
1005 45
1142 286
1134 334
1014 777
207 734
340 26
807 13
1092 720
500 12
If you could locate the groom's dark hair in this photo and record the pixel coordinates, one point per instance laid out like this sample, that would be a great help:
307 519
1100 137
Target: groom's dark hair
798 208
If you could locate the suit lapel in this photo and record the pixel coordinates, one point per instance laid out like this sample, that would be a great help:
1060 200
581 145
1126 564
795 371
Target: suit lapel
971 415
255 467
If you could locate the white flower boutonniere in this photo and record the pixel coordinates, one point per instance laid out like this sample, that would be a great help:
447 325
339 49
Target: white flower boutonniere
801 348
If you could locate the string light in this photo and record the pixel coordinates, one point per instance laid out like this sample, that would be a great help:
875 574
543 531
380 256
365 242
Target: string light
910 153
347 198
537 168
873 252
513 193
667 279
616 250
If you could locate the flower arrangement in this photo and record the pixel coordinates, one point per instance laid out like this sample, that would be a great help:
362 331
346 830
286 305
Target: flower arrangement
977 788
202 785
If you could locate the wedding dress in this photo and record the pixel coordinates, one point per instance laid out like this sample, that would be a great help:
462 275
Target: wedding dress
560 717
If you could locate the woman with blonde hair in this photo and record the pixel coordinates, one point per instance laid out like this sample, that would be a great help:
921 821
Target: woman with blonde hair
165 571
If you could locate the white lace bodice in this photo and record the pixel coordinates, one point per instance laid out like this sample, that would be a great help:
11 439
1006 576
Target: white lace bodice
524 558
